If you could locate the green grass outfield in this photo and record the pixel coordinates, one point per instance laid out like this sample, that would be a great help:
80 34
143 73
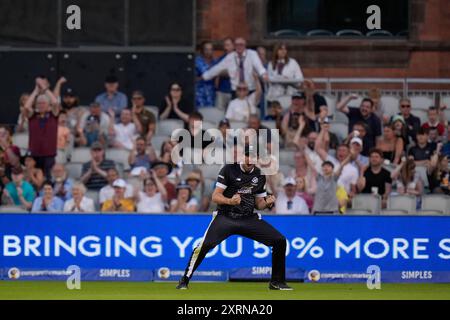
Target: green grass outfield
218 291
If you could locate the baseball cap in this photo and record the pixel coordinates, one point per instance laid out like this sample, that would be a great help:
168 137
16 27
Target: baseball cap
119 183
97 146
162 163
137 93
397 117
356 140
193 176
183 185
326 120
69 92
298 95
288 181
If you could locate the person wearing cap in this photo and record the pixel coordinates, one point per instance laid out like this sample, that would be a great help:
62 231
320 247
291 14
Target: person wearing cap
356 147
48 202
112 99
94 172
240 65
364 113
184 202
144 120
93 126
240 189
43 124
196 182
19 192
244 105
70 102
283 67
107 192
288 202
119 202
122 134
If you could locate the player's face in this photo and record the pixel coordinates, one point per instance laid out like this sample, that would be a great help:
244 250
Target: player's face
249 163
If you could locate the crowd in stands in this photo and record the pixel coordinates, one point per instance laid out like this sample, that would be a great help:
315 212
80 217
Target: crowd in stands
378 155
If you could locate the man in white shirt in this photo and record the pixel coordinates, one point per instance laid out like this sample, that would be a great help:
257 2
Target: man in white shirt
288 202
240 65
244 105
124 132
107 192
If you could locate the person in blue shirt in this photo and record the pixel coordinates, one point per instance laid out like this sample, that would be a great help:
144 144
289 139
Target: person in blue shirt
112 99
48 202
223 83
205 91
19 192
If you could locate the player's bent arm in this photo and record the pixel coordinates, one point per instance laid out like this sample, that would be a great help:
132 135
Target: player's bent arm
261 203
219 198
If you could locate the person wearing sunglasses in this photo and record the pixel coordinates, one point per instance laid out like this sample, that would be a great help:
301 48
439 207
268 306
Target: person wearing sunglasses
412 122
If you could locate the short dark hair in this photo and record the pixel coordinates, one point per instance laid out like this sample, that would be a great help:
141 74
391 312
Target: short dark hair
422 131
196 115
329 163
376 150
367 100
432 108
47 183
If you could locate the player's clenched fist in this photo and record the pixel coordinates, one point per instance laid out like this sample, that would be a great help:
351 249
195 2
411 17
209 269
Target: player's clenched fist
270 200
235 200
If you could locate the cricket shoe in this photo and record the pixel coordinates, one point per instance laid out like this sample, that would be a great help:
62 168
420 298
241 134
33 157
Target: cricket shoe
183 284
276 285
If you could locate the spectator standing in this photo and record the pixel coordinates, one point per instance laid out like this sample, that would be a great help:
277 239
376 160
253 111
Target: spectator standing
19 192
288 202
375 179
94 172
282 67
79 202
119 202
222 81
174 105
363 113
43 125
112 98
204 89
47 202
240 65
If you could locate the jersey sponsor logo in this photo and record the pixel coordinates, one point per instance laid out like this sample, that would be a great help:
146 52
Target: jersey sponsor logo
255 180
245 190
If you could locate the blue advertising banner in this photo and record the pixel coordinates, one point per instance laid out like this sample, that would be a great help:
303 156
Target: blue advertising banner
324 248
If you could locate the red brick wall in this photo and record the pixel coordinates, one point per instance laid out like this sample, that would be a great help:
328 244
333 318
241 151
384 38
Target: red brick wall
427 54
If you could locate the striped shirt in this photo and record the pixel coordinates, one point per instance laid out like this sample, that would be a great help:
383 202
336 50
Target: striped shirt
96 181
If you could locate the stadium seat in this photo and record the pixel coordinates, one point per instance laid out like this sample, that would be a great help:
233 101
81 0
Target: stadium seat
74 169
421 102
435 203
212 114
167 126
367 202
331 103
405 203
269 124
378 33
285 101
209 186
12 209
81 155
157 142
393 212
421 114
390 104
154 110
422 172
340 117
61 157
357 212
210 171
120 156
94 195
319 33
287 157
21 140
238 124
340 129
285 169
447 113
445 100
349 33
287 33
